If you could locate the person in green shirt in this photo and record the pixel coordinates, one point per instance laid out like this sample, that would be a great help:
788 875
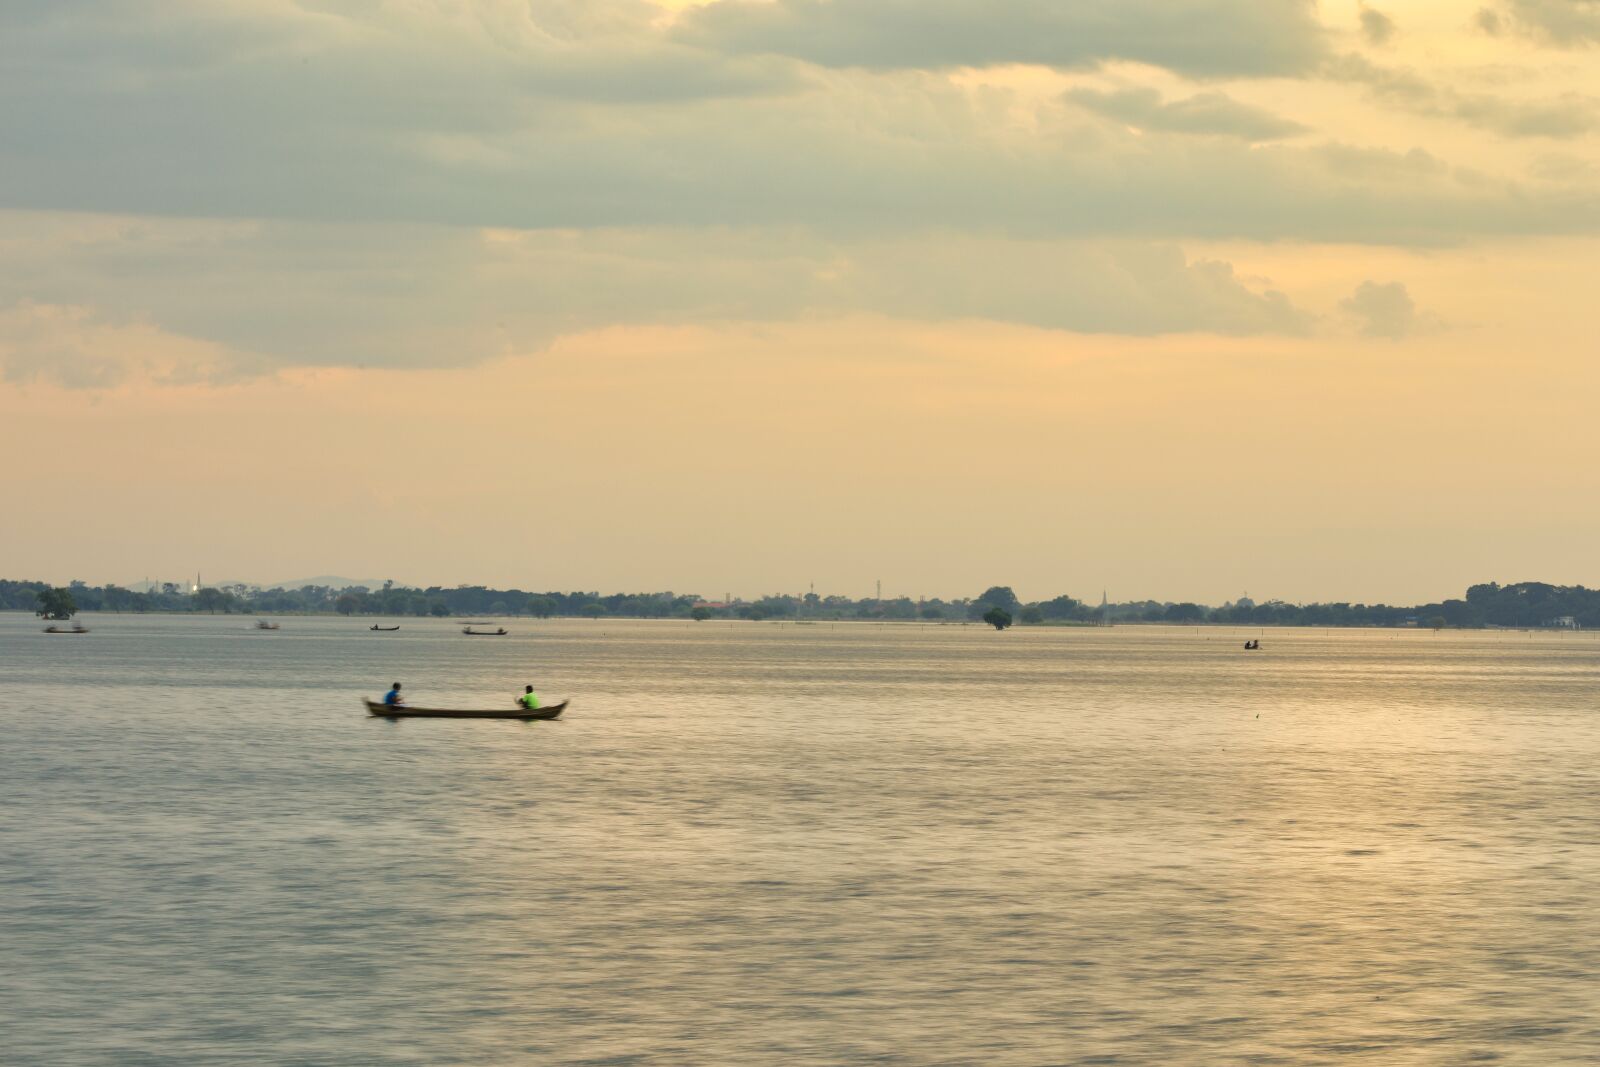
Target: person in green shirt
529 699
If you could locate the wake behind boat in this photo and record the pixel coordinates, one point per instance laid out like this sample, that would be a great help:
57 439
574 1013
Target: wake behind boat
408 711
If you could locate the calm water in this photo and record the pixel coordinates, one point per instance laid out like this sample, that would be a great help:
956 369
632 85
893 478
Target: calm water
752 843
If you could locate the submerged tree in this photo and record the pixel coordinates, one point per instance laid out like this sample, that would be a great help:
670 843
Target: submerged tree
999 618
57 604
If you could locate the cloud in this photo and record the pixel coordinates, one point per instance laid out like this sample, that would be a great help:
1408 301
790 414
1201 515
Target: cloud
1376 27
1203 38
502 114
1488 20
429 183
83 348
230 300
1085 287
1203 113
1569 23
869 154
1383 310
1566 116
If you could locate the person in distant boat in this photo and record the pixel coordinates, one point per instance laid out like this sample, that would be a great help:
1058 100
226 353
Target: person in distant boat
529 699
393 698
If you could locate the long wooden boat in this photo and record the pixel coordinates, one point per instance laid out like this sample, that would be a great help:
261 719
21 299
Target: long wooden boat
385 629
411 711
470 632
66 630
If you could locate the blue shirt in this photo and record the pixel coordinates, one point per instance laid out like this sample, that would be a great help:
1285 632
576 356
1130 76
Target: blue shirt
392 697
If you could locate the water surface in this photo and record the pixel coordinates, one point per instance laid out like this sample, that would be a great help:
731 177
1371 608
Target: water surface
780 844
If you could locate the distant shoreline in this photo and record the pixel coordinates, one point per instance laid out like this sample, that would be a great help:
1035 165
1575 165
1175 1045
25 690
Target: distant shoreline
1522 606
978 624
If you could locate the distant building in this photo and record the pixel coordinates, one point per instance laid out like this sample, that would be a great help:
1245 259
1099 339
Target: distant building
1563 622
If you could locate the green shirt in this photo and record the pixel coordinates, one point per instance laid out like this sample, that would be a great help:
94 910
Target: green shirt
530 700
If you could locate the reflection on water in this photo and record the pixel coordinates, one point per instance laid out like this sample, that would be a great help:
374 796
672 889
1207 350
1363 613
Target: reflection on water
759 843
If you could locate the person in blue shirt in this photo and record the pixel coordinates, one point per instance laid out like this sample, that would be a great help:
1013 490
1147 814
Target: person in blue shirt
393 699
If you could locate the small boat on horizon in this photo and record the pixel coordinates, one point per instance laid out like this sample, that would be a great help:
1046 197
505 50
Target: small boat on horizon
263 624
384 629
379 709
470 632
75 628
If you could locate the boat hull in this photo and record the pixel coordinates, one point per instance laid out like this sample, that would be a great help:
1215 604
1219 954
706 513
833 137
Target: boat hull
386 711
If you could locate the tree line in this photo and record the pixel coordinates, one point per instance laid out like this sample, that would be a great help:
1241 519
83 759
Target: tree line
1520 605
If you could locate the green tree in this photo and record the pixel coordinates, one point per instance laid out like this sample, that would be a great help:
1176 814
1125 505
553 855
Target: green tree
57 604
542 606
999 618
346 604
700 614
1062 607
592 610
1000 596
1437 622
1032 615
209 599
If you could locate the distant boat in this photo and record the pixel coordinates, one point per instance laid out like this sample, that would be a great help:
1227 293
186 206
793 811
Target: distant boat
407 711
263 624
385 629
75 628
470 632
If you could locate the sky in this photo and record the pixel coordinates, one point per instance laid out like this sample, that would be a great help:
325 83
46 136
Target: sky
1174 299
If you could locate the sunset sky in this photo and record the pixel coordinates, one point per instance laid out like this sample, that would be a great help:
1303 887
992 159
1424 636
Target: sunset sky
1179 299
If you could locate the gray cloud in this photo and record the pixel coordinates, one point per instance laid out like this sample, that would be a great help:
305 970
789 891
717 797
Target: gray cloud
446 115
1383 310
381 295
1565 116
1376 27
1561 22
1203 113
1197 37
311 180
863 154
